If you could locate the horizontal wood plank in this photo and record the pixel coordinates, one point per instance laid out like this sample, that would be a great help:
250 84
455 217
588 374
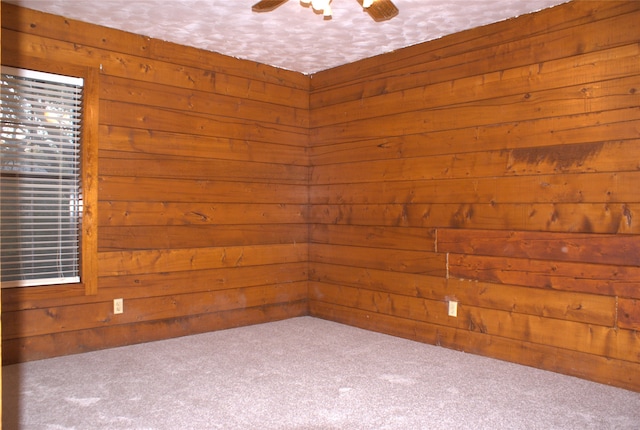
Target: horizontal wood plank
576 336
199 236
238 68
580 337
121 263
593 278
194 281
396 260
184 144
623 250
159 283
164 96
173 121
558 188
615 63
556 217
629 314
63 343
408 238
114 163
136 189
121 213
593 127
410 307
567 306
37 322
248 86
30 21
562 102
406 284
618 156
111 63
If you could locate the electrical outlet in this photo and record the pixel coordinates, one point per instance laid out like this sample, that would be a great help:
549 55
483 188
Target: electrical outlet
453 308
118 306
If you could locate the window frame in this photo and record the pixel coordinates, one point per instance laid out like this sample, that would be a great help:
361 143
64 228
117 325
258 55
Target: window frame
88 263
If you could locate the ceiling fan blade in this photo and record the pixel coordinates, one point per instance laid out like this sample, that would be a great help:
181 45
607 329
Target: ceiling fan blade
267 5
382 10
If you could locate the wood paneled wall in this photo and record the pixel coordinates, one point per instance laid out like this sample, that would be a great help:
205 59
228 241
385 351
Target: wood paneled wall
203 192
497 167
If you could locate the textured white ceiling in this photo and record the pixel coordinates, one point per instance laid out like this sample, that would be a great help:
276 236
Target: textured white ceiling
292 36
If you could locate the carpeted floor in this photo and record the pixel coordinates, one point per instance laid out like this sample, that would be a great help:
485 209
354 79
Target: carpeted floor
302 373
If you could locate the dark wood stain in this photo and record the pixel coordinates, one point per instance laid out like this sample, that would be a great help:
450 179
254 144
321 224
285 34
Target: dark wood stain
561 156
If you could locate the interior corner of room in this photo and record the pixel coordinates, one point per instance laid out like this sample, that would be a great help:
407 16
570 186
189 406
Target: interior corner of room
478 192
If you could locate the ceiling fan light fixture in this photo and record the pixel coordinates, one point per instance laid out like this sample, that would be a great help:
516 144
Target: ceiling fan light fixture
319 5
322 6
379 10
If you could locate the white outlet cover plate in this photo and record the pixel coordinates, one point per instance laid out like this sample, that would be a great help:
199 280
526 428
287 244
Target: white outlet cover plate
118 306
453 309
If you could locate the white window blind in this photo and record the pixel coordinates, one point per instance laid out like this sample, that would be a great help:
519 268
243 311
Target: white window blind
40 189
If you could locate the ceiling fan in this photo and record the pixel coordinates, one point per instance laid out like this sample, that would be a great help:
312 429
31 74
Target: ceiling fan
379 10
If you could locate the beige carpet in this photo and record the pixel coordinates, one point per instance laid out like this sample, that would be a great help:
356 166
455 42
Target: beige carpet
302 373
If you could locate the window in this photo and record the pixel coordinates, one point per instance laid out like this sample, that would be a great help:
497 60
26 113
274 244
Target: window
45 178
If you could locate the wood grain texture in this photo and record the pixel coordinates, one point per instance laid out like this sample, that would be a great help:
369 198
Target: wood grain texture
603 188
513 146
620 373
202 192
409 284
133 188
58 27
65 343
595 278
496 167
424 89
629 314
157 283
616 156
158 166
397 260
417 239
561 102
427 305
125 213
37 322
185 144
537 33
617 124
150 94
622 250
178 260
552 217
420 92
